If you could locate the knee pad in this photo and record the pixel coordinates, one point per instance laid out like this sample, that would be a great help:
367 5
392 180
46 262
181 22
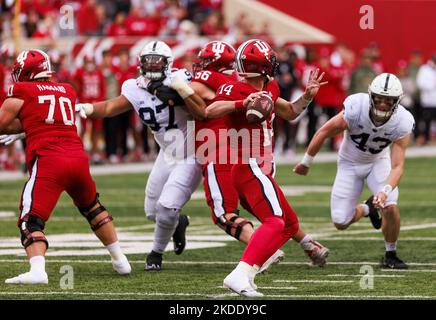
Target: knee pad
29 225
231 223
90 214
166 216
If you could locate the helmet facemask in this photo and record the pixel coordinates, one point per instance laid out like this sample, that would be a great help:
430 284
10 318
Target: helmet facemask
383 107
154 66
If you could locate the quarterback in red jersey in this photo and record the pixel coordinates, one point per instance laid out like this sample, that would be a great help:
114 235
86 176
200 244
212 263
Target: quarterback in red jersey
216 61
251 175
56 160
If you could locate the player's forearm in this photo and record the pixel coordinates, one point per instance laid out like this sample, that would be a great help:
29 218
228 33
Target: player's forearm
196 106
395 176
220 108
110 108
299 105
12 128
317 142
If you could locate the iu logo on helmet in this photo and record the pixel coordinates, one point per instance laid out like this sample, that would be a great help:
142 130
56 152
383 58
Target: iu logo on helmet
263 47
22 57
218 48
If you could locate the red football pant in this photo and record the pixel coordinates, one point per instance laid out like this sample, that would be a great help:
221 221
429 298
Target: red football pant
49 177
268 203
221 195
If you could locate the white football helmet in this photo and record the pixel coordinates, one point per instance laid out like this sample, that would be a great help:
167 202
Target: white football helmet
156 60
385 88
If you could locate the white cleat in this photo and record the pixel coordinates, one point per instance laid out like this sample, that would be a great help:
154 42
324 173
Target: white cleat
29 278
122 266
240 283
316 252
276 258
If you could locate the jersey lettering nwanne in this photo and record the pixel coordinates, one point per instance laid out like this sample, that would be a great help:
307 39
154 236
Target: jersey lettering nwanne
166 122
364 142
260 140
48 116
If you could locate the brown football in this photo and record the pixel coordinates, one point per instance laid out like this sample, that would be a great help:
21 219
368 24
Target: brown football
259 109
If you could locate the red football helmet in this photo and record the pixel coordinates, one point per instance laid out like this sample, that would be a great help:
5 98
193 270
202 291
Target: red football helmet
215 56
31 65
256 57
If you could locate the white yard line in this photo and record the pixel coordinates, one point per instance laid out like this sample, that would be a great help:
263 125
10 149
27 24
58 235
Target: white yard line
314 281
366 275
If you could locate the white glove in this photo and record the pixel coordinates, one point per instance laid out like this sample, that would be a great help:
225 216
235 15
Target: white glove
7 139
84 109
182 88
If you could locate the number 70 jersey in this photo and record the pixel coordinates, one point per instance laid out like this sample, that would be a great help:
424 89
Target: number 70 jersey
365 142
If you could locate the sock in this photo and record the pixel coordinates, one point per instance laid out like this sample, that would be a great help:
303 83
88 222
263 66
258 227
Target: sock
166 224
305 241
247 269
264 242
115 250
365 209
390 246
37 264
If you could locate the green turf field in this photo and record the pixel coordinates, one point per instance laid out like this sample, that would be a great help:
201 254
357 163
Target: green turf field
198 273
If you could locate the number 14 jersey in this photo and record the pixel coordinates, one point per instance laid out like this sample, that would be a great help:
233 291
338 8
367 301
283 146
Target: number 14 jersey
364 142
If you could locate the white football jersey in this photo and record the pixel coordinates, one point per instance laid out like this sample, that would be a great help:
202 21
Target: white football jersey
363 141
168 124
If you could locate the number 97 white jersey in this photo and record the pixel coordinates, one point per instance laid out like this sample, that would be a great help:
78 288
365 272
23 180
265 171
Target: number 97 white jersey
166 122
363 141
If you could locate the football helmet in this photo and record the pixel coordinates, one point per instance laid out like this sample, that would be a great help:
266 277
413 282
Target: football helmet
256 57
215 56
156 60
31 65
385 93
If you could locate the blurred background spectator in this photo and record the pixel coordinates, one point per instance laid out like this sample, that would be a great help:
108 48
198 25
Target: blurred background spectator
426 80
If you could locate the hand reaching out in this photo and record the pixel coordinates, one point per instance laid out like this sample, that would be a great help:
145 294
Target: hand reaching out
313 84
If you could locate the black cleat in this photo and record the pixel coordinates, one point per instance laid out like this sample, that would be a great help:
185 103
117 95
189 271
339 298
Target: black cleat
391 261
153 262
179 235
374 214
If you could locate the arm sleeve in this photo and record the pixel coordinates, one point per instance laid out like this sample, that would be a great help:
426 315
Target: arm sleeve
352 110
128 90
16 91
407 125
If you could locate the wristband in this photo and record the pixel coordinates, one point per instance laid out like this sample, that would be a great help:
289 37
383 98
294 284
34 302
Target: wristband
300 104
387 189
307 160
182 88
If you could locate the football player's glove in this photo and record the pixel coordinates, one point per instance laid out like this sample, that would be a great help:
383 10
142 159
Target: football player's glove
84 109
164 93
7 139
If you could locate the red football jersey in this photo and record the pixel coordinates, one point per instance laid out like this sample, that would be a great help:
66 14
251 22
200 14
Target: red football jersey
259 137
48 119
212 80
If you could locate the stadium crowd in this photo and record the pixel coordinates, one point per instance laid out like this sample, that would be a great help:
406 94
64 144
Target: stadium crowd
124 139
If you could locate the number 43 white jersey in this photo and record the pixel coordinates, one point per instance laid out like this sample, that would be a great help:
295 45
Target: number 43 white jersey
363 141
166 122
